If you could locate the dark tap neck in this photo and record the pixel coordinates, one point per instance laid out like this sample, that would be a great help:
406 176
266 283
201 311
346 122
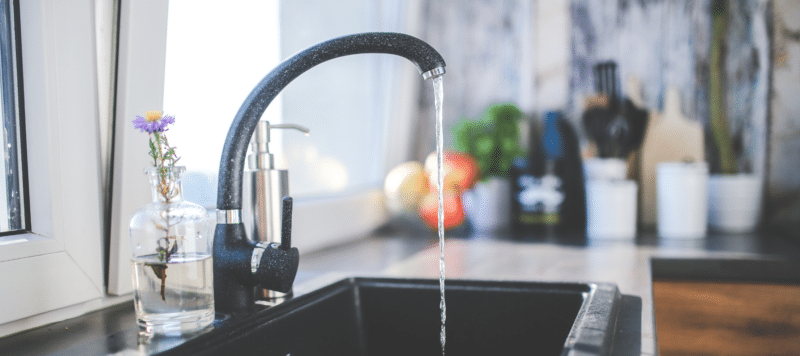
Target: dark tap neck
229 194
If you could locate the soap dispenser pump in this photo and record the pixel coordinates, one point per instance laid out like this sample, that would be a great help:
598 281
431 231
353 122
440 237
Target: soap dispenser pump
264 188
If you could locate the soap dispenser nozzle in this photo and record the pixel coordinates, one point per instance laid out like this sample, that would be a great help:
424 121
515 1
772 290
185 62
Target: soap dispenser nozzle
261 158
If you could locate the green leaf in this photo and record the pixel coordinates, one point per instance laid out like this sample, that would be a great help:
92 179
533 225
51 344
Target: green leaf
484 145
492 138
462 136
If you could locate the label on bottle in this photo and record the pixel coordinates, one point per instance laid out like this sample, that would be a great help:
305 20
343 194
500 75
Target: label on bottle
539 199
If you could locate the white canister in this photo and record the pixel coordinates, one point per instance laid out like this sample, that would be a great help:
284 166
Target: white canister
682 199
605 168
611 209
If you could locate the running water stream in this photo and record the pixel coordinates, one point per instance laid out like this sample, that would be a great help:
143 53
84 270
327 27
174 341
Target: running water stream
438 98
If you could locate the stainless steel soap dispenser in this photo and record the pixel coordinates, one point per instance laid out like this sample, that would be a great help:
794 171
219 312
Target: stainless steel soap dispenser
263 190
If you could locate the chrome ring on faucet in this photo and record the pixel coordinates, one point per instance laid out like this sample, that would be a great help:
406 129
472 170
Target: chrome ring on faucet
229 216
255 258
433 73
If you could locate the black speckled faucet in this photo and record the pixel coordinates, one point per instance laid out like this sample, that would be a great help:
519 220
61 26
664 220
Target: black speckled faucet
240 265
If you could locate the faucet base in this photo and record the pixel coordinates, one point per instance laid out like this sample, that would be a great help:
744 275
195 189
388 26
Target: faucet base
233 280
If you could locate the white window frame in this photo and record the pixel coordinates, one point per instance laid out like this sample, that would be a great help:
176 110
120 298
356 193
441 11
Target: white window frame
140 88
56 270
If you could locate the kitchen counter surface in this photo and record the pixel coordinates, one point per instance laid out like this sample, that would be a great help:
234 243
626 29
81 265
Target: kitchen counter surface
628 264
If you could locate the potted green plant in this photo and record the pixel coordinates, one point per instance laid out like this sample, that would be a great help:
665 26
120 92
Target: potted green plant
493 140
734 197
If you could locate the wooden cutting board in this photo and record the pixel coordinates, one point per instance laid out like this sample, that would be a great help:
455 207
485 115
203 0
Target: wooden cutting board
726 318
670 136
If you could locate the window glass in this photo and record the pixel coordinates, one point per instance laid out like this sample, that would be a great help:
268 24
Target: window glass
340 101
12 210
215 56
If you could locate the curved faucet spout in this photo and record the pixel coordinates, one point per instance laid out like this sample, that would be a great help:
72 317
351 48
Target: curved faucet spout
239 265
229 194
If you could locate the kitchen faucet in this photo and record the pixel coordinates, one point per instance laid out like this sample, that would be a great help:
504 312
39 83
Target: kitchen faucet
240 265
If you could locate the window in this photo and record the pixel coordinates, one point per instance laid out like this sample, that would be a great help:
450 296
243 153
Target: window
56 264
210 68
54 268
217 63
215 57
11 188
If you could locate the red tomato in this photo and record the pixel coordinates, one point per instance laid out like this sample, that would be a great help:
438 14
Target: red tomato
461 170
453 210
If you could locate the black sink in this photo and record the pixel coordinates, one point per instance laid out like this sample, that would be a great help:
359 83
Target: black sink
359 316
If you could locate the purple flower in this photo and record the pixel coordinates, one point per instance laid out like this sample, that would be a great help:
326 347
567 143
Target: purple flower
153 122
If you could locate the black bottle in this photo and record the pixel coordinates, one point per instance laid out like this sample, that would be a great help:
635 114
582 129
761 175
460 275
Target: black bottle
525 173
561 147
547 187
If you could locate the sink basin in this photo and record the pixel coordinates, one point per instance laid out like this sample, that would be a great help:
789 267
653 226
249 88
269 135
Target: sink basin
364 316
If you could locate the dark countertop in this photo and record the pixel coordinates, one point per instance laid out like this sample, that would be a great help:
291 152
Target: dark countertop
113 329
629 264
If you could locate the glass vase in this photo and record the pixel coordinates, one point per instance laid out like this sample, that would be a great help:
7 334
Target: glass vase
171 244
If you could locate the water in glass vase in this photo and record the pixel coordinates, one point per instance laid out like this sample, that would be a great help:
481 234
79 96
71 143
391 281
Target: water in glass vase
173 297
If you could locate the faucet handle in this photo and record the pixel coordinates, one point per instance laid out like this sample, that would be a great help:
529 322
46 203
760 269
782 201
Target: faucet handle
274 266
286 224
277 267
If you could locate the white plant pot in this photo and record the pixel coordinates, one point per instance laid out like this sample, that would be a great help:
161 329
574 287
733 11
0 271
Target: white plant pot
734 202
488 205
682 200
